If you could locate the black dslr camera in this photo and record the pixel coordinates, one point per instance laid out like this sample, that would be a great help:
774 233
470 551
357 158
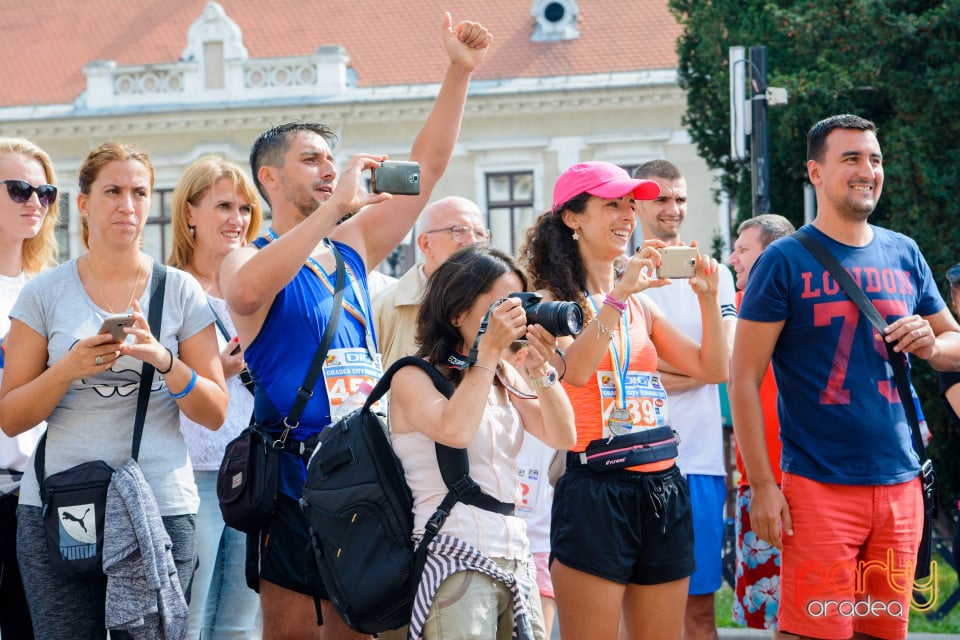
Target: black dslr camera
559 318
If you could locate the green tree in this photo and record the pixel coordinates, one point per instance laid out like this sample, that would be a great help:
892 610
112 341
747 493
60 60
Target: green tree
892 61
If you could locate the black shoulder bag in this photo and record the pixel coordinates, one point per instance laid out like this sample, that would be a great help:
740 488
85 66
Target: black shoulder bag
74 500
248 478
899 363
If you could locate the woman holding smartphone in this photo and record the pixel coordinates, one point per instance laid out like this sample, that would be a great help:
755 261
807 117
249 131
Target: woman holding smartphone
216 210
84 384
622 539
28 219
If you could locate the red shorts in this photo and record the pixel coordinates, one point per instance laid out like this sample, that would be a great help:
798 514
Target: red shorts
849 564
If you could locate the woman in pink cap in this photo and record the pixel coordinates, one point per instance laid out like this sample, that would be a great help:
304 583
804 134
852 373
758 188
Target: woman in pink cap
621 529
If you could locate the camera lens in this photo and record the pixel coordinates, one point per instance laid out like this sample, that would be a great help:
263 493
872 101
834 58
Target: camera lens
559 318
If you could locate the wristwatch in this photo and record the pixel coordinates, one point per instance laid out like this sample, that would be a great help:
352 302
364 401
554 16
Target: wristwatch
544 381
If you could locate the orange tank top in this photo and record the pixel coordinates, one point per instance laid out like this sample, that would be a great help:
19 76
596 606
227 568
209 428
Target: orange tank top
586 400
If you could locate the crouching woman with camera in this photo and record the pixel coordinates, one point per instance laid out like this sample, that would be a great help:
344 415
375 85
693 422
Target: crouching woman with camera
621 531
480 579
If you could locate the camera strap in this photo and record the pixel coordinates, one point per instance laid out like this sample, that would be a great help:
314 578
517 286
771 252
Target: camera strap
457 361
472 356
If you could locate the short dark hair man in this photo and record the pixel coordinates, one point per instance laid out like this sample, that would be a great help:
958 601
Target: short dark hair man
280 301
848 458
694 406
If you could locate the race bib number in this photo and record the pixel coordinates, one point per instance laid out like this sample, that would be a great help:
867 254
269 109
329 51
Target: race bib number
530 490
344 370
645 398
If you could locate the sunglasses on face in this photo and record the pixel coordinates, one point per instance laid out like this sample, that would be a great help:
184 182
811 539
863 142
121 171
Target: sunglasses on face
20 191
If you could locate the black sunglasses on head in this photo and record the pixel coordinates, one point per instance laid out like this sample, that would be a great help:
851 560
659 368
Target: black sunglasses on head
20 191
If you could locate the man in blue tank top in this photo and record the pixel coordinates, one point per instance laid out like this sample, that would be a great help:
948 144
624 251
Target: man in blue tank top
849 516
280 296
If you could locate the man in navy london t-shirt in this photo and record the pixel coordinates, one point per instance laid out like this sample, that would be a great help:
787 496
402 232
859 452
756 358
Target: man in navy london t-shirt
850 513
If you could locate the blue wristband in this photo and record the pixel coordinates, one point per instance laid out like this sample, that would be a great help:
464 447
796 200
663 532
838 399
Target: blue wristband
189 387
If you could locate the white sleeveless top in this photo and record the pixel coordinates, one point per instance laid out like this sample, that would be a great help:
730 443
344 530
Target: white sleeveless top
493 465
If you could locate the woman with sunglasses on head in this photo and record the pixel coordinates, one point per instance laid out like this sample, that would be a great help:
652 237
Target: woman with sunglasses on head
488 413
28 219
216 210
85 383
622 537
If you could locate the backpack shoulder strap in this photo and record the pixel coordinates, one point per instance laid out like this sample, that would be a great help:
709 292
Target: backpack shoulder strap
383 385
454 467
453 462
155 320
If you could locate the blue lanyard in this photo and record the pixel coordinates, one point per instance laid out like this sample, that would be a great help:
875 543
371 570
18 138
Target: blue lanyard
355 311
619 355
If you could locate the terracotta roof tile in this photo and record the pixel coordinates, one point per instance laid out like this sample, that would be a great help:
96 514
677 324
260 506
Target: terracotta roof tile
390 42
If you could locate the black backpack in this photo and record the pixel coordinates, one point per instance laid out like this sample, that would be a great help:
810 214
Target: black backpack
361 513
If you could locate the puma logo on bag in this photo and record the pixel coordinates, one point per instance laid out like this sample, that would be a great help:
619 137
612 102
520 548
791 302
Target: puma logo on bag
69 516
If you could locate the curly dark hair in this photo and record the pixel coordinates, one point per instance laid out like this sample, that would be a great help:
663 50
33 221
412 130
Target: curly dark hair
550 255
451 290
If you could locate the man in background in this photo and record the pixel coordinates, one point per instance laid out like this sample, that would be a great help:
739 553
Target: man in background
848 457
694 406
445 226
280 298
757 590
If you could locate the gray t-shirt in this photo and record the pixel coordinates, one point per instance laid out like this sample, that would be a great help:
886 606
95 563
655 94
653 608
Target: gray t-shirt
94 418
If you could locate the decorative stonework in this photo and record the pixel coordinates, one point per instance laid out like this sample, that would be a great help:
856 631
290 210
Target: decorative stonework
214 25
149 81
215 67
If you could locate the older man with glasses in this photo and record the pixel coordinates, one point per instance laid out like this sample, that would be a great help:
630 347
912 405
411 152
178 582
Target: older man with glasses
444 226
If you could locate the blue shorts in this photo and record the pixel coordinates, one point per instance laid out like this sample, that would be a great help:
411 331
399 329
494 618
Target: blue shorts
708 494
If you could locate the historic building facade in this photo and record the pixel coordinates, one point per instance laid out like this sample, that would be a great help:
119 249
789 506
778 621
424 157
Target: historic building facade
565 81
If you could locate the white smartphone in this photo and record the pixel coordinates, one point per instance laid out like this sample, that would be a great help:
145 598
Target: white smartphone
677 262
114 325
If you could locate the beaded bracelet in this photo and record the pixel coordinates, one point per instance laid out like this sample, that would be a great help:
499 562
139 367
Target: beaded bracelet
616 304
163 373
188 389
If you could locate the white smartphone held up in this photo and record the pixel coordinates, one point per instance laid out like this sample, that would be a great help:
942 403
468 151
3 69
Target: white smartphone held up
114 325
677 262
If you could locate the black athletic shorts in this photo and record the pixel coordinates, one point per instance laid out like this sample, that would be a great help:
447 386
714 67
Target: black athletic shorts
624 526
286 557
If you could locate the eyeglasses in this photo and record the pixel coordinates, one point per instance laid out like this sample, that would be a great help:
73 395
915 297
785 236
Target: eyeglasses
464 234
953 275
20 191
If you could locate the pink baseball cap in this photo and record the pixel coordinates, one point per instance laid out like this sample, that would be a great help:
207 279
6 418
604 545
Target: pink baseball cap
601 179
